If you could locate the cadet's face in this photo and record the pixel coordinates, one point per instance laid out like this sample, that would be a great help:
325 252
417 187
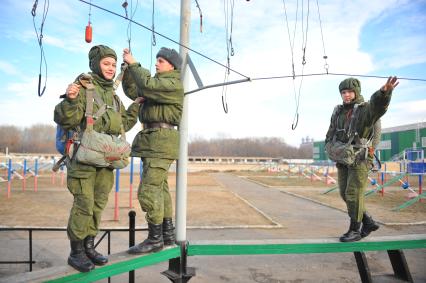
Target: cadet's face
108 67
163 65
347 95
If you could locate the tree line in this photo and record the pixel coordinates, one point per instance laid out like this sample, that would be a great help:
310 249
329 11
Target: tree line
35 139
249 147
41 139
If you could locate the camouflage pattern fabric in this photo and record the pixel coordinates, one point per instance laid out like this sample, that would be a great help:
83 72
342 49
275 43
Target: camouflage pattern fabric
352 182
90 198
164 103
352 179
153 192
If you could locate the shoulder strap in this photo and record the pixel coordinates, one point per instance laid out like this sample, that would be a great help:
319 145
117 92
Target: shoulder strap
86 82
354 118
120 76
333 121
91 94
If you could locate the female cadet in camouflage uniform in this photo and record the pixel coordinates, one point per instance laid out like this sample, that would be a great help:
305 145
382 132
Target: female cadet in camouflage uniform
352 179
91 185
158 143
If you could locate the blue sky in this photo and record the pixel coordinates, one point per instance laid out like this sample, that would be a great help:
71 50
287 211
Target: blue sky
360 37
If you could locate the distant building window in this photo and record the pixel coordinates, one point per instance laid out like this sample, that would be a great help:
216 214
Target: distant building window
423 141
385 145
316 156
316 149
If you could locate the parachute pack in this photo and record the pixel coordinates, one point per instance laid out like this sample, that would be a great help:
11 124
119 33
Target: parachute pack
88 146
347 153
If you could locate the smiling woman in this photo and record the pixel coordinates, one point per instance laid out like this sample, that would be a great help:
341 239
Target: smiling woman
108 67
92 111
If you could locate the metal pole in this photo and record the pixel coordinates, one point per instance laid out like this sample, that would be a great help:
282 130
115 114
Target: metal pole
30 239
182 163
132 225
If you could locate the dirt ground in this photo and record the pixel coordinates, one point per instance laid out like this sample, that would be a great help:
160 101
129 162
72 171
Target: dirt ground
382 206
208 204
212 204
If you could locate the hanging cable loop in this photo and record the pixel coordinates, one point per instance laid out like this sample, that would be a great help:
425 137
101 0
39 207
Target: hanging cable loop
201 15
41 91
124 5
326 66
153 39
166 37
33 10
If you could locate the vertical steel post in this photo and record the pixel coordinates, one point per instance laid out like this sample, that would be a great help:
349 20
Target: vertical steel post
131 183
178 271
182 163
30 239
132 226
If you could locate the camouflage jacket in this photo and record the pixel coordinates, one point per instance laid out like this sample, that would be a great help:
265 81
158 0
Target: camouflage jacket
163 95
70 114
369 113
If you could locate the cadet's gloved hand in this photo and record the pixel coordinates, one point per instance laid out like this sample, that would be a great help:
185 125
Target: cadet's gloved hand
390 84
140 100
128 57
72 91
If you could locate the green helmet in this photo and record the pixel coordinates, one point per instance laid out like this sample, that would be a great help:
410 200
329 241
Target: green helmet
96 54
354 85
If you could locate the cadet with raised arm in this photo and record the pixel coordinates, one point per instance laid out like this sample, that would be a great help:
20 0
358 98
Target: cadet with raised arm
349 143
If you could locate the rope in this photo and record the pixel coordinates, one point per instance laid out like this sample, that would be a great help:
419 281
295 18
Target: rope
40 43
297 95
164 36
227 4
132 14
153 39
201 15
326 66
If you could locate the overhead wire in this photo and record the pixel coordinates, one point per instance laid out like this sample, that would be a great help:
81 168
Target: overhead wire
334 74
165 37
40 43
247 77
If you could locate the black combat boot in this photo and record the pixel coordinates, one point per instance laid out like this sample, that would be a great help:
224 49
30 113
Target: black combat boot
353 234
78 258
92 254
168 232
368 225
153 243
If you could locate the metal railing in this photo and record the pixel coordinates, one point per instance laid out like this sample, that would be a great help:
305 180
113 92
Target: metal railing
106 233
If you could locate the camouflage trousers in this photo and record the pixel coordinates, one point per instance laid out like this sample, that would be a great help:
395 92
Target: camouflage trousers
352 182
153 192
90 198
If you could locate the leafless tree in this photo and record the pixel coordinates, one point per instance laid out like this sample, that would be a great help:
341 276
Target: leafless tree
35 139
